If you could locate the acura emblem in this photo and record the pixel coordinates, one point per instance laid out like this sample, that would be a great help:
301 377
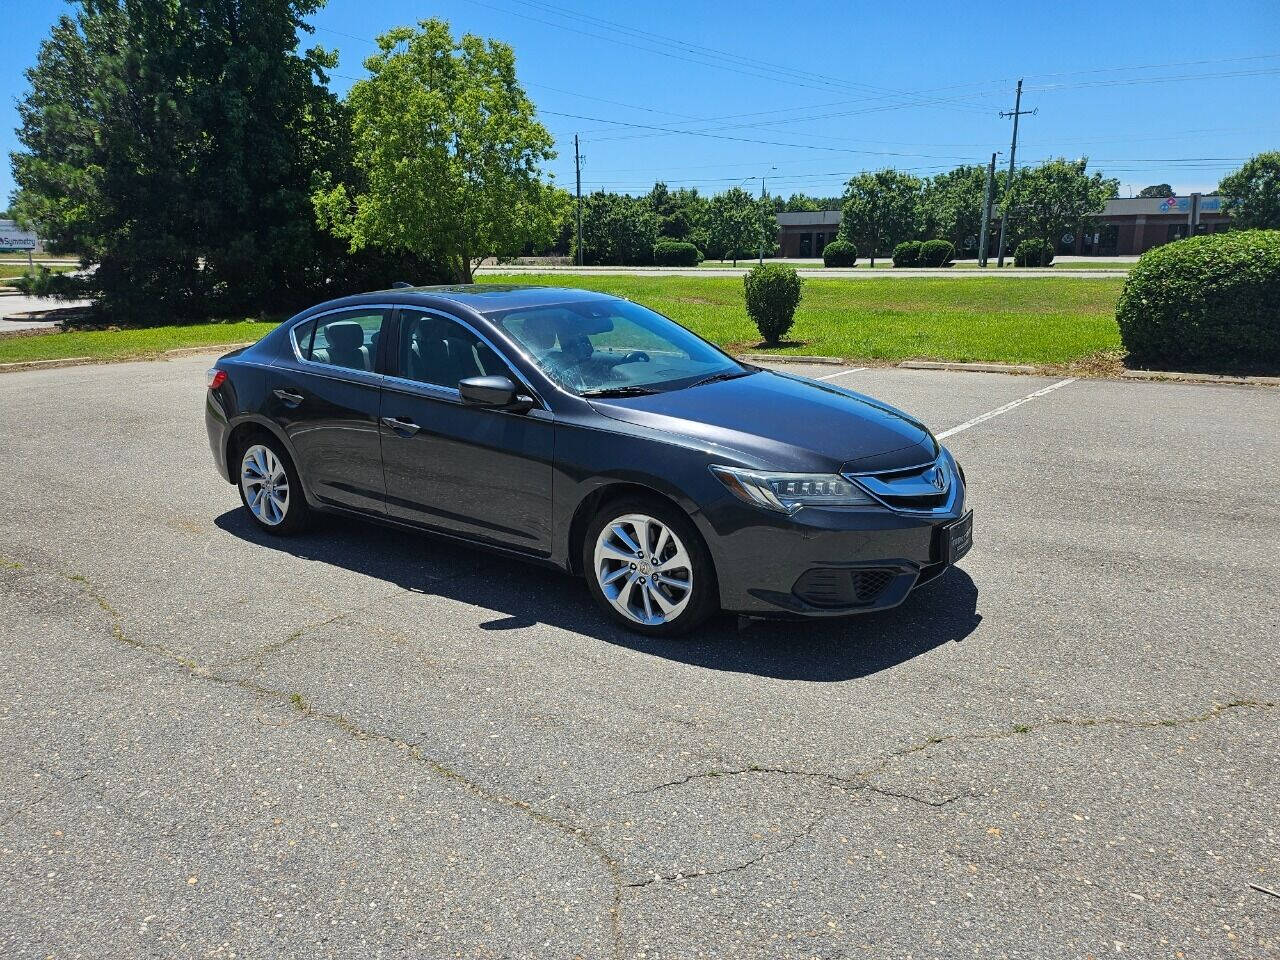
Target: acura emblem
936 477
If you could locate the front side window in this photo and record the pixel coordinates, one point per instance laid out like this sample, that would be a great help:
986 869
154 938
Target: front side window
348 339
613 346
439 351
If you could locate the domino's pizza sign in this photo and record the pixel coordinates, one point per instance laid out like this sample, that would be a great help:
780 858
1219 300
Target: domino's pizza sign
14 240
1175 205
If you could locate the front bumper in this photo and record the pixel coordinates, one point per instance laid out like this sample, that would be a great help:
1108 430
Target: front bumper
826 563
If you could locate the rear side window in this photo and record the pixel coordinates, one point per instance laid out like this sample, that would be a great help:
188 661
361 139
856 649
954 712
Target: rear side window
348 339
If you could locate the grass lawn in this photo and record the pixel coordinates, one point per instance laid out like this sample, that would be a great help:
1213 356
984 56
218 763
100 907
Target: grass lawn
1037 320
886 263
119 344
1052 321
8 270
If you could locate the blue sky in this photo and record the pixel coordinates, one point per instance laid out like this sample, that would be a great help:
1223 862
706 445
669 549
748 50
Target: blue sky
1166 91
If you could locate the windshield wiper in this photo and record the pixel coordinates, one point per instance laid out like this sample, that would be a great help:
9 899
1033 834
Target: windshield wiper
727 375
633 391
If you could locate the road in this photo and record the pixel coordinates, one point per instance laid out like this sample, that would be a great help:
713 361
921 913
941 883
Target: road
728 270
13 309
368 743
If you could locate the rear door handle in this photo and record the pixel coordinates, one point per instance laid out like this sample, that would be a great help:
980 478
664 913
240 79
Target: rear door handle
292 399
401 425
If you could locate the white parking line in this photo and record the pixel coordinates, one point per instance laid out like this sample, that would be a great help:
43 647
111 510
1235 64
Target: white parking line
832 376
1005 409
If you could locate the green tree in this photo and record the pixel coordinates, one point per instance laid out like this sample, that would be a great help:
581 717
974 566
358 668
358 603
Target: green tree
881 210
448 150
1252 193
736 224
1054 197
800 203
1156 190
172 146
618 229
681 213
951 206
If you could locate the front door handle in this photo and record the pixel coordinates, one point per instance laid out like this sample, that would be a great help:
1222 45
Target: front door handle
401 425
292 399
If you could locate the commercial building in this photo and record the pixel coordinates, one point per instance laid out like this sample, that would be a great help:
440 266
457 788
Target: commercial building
1136 224
1126 226
805 234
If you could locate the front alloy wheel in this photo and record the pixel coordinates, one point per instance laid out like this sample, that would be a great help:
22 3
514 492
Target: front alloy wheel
649 569
643 569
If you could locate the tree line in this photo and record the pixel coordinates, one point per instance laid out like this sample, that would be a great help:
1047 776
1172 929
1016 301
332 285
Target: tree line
192 154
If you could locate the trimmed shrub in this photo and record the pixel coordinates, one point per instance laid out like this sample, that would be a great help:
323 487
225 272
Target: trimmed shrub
773 291
1033 253
839 253
676 253
907 254
1208 302
936 253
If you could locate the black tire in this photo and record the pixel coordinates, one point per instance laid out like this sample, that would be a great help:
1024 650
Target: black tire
297 515
704 596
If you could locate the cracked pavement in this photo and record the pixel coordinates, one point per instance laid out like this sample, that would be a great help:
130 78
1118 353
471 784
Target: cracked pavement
369 743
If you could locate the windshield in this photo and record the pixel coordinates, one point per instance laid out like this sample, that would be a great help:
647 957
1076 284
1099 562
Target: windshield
602 347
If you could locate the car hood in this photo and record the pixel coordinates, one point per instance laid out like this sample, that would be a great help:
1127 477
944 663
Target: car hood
784 422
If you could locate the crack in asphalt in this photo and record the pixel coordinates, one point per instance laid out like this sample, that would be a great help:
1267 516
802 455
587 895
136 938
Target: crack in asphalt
788 842
860 780
194 670
56 781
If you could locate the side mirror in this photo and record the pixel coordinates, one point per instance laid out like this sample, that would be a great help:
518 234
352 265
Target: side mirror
497 393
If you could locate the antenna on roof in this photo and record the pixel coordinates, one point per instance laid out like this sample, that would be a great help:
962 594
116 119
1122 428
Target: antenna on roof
401 285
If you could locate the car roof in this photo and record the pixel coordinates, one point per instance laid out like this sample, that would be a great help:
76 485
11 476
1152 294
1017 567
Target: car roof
496 297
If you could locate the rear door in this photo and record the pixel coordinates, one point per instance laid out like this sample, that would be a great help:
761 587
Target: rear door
482 473
327 401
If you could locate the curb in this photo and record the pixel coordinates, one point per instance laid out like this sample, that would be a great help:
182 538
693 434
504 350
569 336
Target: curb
174 354
44 364
1173 377
788 358
970 367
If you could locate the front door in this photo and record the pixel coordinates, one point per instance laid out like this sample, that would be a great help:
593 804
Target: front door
327 403
478 472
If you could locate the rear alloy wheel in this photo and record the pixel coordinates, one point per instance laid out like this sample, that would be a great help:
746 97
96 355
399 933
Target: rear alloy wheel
647 567
270 489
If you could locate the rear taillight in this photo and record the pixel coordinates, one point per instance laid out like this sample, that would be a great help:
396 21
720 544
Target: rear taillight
216 378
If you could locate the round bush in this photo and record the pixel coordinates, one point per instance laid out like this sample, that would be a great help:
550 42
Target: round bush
936 253
839 253
1208 302
1033 253
773 291
676 253
907 254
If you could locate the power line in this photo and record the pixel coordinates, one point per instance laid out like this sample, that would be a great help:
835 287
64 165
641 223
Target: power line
717 136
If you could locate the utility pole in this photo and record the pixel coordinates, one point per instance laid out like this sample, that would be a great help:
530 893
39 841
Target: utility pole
986 212
577 172
1013 150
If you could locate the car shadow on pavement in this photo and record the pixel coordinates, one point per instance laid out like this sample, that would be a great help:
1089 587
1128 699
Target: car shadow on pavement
524 595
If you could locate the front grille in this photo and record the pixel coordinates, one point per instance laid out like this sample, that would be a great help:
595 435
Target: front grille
915 490
832 588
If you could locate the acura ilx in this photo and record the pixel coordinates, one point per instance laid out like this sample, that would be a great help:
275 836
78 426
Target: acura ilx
590 433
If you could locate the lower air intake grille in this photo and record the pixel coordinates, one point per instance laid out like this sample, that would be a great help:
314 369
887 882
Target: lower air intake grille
828 588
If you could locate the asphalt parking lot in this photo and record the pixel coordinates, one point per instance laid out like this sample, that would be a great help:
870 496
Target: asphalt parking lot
368 743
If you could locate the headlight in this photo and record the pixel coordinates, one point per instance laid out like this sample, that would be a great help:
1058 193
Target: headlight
788 492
